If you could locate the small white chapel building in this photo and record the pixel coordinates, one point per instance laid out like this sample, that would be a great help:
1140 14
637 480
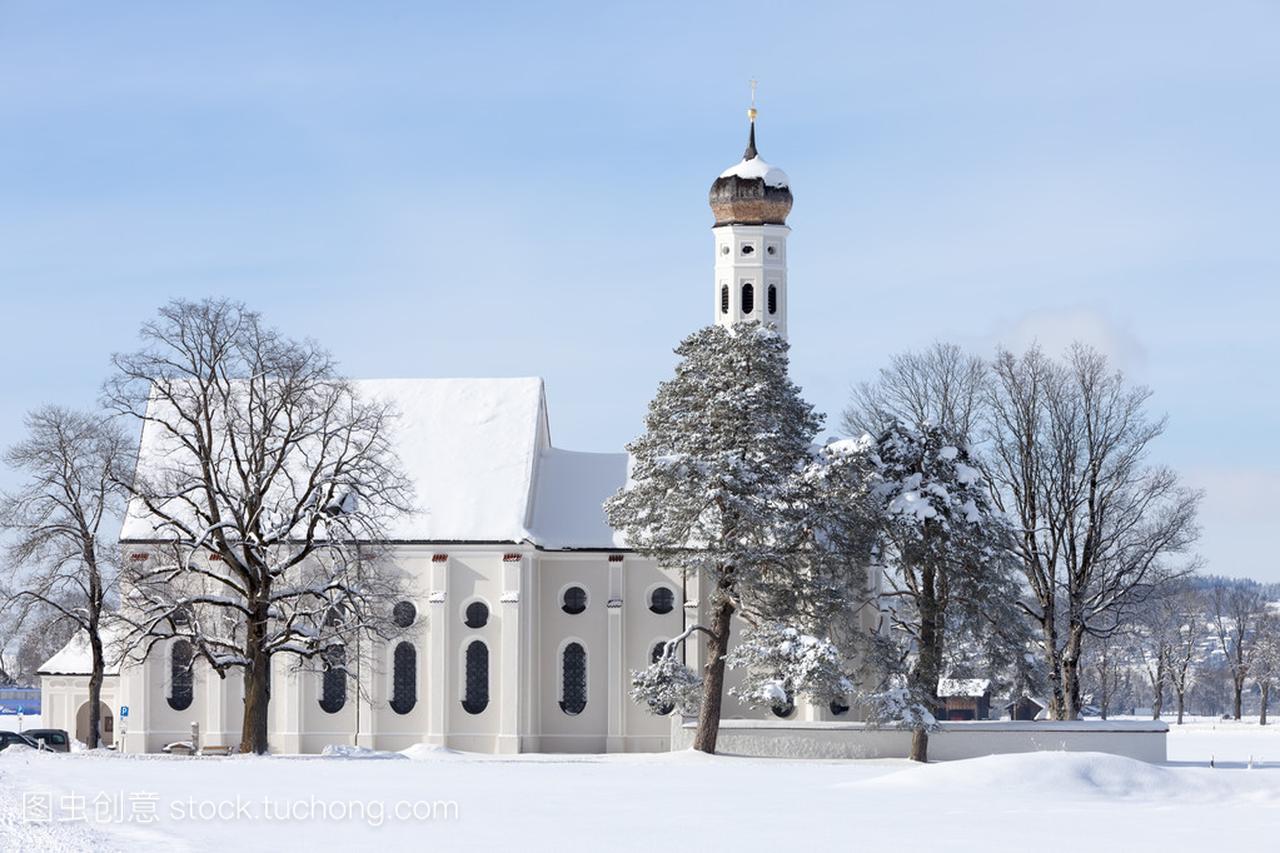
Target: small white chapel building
526 612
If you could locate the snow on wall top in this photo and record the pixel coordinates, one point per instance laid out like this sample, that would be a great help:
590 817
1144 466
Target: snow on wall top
756 167
479 455
963 687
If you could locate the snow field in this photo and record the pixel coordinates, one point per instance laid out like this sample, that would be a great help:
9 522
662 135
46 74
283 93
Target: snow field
1053 801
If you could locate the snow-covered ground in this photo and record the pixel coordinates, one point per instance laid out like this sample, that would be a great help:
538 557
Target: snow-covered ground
1042 801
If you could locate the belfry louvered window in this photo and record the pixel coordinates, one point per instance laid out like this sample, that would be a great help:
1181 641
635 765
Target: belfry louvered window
724 299
404 678
181 684
333 684
748 298
476 694
573 679
773 299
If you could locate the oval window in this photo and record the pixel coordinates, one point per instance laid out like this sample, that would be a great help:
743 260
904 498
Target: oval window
404 613
784 709
662 600
748 249
477 615
574 601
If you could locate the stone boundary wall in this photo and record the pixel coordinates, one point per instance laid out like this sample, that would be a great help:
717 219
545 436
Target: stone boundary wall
1144 741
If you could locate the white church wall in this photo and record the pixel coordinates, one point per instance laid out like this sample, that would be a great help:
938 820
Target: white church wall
558 573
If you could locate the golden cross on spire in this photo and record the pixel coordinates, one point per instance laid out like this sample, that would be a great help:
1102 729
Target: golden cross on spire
751 111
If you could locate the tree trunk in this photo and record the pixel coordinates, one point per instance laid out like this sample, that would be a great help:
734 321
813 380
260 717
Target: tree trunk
1157 705
1180 705
93 736
919 745
1237 686
1049 628
257 686
1070 673
928 664
704 740
1266 695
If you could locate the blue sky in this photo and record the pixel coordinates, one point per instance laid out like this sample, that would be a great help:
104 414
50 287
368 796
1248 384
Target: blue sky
516 189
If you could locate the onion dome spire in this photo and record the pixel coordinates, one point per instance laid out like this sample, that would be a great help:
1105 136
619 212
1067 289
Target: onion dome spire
752 192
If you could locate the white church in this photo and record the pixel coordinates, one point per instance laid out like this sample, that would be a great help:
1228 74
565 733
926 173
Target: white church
527 613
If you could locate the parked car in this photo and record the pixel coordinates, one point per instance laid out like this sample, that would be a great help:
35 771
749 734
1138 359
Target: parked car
8 739
55 740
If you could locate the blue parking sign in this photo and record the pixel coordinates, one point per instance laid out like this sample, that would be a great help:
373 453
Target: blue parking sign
124 710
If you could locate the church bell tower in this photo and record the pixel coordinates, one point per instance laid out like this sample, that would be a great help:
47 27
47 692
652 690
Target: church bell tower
751 201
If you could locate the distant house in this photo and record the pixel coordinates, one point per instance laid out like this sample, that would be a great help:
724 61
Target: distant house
965 698
1027 708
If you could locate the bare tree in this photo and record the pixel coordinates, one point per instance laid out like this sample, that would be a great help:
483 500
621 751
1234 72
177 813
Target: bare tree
1185 647
941 386
1266 657
264 485
60 569
1097 526
1237 608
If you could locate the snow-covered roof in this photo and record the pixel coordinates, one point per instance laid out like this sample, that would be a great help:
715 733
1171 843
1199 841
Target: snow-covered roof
572 487
479 454
963 687
756 167
76 658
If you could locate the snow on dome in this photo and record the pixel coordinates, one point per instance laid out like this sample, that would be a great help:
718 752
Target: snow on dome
756 167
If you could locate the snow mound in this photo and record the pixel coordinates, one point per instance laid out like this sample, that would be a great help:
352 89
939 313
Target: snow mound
428 752
1062 775
338 750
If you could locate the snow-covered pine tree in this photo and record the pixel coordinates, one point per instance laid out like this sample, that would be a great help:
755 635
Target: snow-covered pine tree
718 490
781 663
944 552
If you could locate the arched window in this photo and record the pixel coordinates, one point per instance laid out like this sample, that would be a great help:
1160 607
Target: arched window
573 679
784 709
724 298
838 707
404 678
662 600
575 600
773 299
181 684
476 694
748 298
404 614
477 615
655 654
333 684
